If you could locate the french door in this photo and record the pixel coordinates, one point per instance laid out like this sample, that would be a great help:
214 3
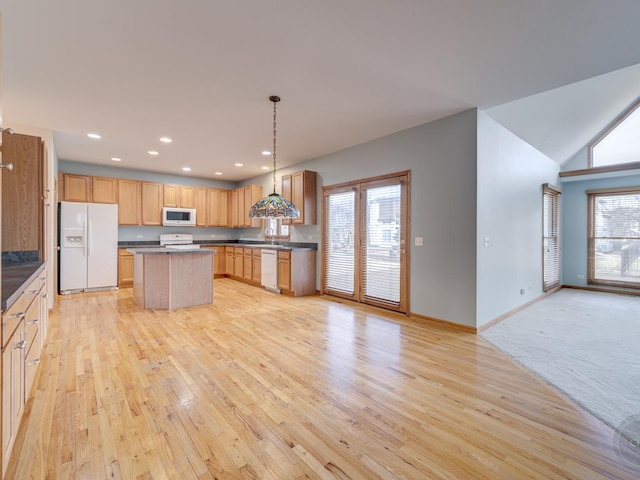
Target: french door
365 232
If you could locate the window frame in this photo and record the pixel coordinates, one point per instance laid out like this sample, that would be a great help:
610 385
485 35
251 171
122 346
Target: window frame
592 195
612 126
553 193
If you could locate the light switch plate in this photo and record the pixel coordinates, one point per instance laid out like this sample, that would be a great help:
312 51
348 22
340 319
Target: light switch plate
419 241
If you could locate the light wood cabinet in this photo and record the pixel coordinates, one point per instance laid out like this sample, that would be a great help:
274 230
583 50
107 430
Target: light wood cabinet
200 200
125 268
247 273
234 208
242 199
24 326
257 266
284 270
171 197
300 188
188 197
12 391
297 272
238 262
129 202
104 190
217 207
181 196
22 193
218 260
152 194
76 188
229 262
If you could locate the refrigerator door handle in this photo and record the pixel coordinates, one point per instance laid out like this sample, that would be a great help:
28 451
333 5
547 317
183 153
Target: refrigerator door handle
86 240
89 237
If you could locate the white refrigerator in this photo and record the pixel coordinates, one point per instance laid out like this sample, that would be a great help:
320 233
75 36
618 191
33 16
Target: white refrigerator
88 246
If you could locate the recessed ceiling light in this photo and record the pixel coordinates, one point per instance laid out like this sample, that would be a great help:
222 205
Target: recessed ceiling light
186 169
116 159
238 164
218 173
153 152
95 136
265 168
266 152
165 140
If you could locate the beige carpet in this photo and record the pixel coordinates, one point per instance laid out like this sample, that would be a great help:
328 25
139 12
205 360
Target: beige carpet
586 344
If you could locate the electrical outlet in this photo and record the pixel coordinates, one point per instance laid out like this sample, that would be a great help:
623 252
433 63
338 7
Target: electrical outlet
419 241
212 236
580 277
139 236
310 237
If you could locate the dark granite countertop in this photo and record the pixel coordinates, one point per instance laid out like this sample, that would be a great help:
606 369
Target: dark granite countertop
229 243
15 278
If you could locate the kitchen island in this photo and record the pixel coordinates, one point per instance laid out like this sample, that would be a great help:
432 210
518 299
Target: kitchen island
167 278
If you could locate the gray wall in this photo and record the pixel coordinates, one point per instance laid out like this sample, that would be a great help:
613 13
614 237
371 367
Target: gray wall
510 177
442 158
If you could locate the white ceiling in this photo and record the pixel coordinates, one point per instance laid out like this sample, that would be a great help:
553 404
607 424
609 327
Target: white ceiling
201 72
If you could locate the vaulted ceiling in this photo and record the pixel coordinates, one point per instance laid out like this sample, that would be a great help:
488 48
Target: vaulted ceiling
201 72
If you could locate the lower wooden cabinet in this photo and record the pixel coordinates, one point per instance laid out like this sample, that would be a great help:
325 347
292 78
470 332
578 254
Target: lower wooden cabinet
256 270
218 260
296 268
24 327
125 268
297 272
229 261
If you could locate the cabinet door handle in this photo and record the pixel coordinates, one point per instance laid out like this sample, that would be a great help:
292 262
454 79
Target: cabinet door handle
34 322
17 315
22 344
34 362
8 166
32 292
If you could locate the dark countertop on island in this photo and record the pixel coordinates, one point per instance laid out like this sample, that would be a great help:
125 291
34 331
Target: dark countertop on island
15 278
166 251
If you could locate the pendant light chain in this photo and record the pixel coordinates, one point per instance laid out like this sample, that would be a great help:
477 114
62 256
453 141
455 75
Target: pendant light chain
274 144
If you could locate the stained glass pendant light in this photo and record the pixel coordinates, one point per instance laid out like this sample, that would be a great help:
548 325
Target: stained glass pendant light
274 206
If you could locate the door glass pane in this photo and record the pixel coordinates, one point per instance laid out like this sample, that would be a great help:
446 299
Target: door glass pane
340 226
381 254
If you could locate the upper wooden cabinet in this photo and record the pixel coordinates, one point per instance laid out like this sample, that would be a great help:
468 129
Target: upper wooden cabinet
129 202
76 188
152 194
200 201
217 207
242 200
300 189
187 197
104 190
22 193
181 196
171 196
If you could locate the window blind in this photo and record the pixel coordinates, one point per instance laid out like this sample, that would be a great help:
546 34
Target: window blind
381 248
340 230
614 238
550 238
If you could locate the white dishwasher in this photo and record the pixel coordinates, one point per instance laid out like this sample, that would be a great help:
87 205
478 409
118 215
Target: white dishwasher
269 275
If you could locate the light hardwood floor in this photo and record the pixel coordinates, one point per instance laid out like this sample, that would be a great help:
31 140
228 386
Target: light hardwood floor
266 386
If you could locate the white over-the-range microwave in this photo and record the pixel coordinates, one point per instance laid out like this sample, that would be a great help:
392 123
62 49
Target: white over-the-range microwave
178 217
